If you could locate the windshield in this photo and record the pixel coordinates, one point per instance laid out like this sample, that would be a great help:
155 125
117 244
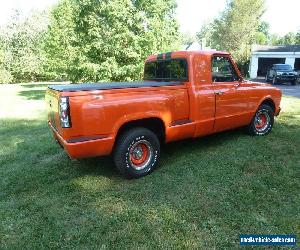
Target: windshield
166 70
283 67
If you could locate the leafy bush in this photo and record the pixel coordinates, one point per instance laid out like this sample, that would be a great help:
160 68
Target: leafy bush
21 48
5 76
108 40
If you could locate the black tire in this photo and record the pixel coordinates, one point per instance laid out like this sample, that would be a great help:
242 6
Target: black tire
257 125
132 144
294 82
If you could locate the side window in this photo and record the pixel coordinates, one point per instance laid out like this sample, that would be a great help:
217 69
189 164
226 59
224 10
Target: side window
223 70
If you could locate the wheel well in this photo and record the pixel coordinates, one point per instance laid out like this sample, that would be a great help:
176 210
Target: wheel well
270 103
156 125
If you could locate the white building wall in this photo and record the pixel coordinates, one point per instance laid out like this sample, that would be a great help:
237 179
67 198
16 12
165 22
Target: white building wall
253 67
290 61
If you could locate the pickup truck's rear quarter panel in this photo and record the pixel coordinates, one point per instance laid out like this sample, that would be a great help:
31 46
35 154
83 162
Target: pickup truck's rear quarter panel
100 114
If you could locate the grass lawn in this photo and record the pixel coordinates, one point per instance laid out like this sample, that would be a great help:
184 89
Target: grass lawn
203 195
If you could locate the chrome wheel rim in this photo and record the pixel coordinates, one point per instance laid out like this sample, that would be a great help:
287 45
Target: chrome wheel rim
262 120
140 154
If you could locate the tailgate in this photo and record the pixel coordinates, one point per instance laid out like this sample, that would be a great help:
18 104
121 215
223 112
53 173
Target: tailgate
52 99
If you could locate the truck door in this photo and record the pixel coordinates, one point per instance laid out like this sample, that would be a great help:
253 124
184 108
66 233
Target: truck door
202 97
230 98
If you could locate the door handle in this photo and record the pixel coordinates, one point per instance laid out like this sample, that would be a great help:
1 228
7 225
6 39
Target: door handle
219 92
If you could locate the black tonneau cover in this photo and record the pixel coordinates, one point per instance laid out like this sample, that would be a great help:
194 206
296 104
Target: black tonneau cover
110 85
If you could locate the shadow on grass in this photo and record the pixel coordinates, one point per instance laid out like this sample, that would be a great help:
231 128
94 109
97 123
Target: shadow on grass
34 91
30 137
96 166
33 94
104 165
41 85
25 129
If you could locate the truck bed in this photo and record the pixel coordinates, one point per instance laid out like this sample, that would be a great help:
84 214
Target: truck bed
110 85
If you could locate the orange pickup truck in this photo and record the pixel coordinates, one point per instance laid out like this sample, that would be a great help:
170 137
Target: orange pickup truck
184 94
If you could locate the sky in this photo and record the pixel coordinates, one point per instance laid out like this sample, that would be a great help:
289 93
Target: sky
283 16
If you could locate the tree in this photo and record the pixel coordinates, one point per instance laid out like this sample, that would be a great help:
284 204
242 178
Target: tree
274 39
288 39
260 38
264 27
262 35
108 40
298 37
188 38
5 75
235 29
21 47
59 44
206 33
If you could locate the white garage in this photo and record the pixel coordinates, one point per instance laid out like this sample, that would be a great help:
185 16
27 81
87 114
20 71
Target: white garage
263 56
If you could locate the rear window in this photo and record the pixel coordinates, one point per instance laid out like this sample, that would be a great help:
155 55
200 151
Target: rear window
283 67
166 70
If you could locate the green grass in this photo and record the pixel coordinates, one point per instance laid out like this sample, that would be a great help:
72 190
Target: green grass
204 193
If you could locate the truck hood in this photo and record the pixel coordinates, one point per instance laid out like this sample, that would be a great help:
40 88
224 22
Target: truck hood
260 84
286 71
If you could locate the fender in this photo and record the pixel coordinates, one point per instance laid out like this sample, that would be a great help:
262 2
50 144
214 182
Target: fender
139 116
269 99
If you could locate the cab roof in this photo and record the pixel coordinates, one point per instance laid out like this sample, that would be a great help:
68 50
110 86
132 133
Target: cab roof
185 53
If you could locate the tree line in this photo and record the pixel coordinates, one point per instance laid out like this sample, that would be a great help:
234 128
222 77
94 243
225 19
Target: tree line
89 40
238 27
108 40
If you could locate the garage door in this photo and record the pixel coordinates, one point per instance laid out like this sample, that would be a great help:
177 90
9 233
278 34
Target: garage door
297 64
265 63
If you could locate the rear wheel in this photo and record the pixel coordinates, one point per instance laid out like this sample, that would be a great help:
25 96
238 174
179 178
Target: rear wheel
262 122
294 82
136 152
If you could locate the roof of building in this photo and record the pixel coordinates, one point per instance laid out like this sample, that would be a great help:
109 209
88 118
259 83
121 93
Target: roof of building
279 48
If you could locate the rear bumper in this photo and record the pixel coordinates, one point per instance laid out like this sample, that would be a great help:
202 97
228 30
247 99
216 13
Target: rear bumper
84 147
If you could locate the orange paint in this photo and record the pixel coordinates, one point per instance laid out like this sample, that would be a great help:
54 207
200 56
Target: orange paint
196 108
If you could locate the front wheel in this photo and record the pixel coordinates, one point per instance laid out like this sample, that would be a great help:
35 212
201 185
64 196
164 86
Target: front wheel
262 122
136 152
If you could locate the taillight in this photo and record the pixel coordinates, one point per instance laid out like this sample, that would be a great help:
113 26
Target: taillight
64 112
